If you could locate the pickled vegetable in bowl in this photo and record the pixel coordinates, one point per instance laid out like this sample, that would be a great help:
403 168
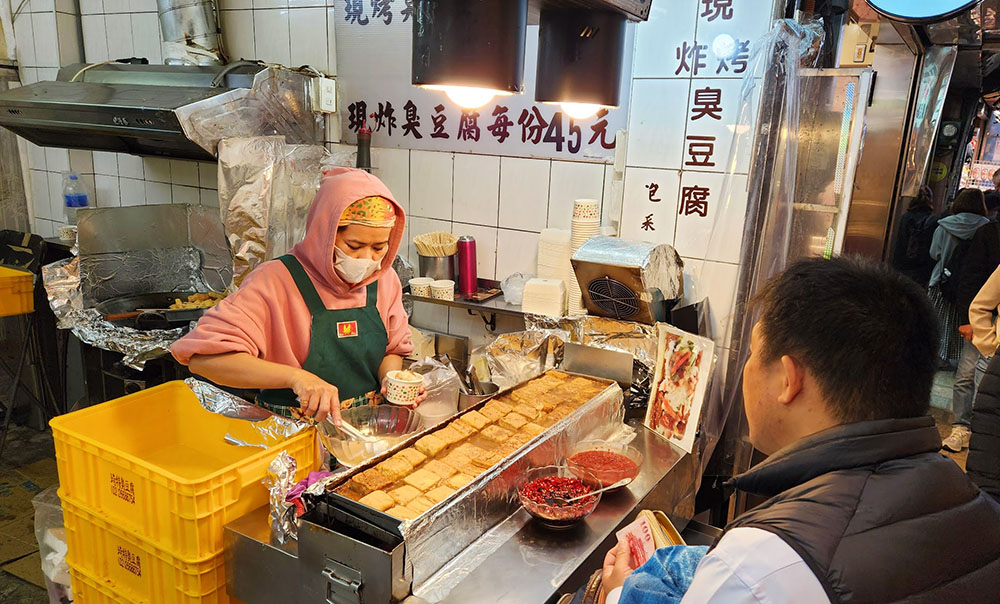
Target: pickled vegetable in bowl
539 490
608 462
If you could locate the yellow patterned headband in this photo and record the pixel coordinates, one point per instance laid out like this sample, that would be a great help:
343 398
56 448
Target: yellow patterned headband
371 211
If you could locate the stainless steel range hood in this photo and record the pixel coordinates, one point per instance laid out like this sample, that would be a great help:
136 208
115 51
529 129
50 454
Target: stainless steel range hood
159 109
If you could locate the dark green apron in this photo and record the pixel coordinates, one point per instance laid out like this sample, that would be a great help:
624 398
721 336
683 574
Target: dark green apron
346 347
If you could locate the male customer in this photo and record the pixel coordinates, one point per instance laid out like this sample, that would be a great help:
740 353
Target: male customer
862 504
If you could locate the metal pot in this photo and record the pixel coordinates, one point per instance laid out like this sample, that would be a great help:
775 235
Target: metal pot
439 267
467 400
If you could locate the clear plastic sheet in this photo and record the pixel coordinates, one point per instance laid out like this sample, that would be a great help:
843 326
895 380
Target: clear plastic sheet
51 535
265 189
938 63
768 131
279 480
437 536
276 103
661 266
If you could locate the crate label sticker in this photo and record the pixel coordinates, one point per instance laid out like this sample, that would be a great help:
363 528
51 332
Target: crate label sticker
129 561
122 488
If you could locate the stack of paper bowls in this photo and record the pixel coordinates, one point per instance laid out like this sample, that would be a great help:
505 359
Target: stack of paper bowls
544 297
554 257
586 224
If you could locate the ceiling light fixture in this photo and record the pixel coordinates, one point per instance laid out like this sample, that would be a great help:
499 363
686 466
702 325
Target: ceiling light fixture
580 59
472 50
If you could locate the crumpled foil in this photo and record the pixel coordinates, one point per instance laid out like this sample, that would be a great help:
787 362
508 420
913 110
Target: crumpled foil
107 276
279 480
637 339
136 346
662 267
276 102
515 358
62 287
271 428
266 187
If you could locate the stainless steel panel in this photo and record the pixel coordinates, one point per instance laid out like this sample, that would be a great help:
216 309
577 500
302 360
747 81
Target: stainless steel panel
885 125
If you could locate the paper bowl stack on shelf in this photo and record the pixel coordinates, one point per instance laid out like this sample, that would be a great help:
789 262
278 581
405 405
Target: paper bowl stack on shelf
554 257
586 224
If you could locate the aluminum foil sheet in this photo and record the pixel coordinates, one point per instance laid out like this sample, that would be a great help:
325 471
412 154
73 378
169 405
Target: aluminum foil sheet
62 287
515 358
266 187
279 480
440 534
662 267
637 339
134 345
106 276
276 104
269 427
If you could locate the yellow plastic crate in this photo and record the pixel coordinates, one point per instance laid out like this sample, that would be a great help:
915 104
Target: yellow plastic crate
134 570
155 464
17 295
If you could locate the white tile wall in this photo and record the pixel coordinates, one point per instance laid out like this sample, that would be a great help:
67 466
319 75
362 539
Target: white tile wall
185 195
108 193
659 217
95 39
392 166
184 172
656 117
40 193
431 184
156 169
157 193
133 192
237 33
208 175
146 36
477 189
524 187
305 27
106 163
45 36
669 24
56 204
271 35
430 317
56 160
517 252
571 181
119 32
486 247
130 166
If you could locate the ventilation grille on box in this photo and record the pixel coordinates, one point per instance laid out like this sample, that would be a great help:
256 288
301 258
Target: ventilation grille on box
613 297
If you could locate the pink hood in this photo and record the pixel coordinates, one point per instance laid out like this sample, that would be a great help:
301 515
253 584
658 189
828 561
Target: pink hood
267 316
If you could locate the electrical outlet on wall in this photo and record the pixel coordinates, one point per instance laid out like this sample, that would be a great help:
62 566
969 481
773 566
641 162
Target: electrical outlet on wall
324 95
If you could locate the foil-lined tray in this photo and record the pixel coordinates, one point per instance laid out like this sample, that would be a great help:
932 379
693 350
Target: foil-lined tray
440 533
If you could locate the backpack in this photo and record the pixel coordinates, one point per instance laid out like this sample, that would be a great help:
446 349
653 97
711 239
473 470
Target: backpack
919 243
953 270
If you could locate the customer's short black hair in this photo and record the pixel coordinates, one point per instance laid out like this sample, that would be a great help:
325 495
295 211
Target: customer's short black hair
866 332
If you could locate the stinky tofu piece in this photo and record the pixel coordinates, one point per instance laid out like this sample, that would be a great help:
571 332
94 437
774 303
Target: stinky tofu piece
537 403
547 403
513 421
395 468
370 480
379 500
469 450
499 404
518 440
491 458
404 494
456 459
411 455
430 445
440 494
475 419
462 428
449 435
402 512
496 434
556 374
423 480
471 468
527 411
560 412
420 504
458 481
524 396
440 468
532 429
546 421
492 413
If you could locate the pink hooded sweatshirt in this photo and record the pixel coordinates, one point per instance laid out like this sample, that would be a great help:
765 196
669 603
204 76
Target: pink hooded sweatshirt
267 316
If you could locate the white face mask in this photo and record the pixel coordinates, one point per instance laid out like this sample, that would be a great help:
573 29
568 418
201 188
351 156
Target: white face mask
354 270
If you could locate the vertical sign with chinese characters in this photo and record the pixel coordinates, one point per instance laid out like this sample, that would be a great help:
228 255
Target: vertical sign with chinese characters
695 52
373 76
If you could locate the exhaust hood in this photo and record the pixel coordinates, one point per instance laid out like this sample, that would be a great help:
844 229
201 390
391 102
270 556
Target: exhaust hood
161 110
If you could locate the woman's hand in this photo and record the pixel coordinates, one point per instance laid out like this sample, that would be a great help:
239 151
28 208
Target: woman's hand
617 568
316 397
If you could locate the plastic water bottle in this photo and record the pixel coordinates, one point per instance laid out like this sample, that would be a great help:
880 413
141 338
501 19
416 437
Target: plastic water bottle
74 195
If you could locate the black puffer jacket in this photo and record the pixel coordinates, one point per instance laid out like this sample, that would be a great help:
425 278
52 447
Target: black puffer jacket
879 515
983 464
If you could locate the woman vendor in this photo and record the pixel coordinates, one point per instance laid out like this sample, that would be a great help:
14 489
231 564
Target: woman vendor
316 330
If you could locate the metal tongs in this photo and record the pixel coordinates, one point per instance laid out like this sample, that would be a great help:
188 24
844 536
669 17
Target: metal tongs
356 434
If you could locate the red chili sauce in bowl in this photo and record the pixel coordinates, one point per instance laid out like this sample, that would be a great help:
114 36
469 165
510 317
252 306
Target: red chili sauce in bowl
539 498
608 466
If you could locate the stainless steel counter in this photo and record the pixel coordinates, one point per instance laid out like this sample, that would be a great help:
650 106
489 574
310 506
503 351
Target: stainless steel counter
517 561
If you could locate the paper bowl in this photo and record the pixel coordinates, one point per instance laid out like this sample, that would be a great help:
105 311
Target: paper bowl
554 516
421 286
400 391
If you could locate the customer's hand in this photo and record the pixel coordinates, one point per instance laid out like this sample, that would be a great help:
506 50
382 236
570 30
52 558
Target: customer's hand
617 568
965 331
316 397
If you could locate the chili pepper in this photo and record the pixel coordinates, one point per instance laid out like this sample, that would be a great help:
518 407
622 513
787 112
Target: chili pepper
680 362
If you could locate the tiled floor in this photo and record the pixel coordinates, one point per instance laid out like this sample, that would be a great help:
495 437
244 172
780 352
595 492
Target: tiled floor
27 467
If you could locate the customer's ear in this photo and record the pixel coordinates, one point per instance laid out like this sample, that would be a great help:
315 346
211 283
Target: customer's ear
793 378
